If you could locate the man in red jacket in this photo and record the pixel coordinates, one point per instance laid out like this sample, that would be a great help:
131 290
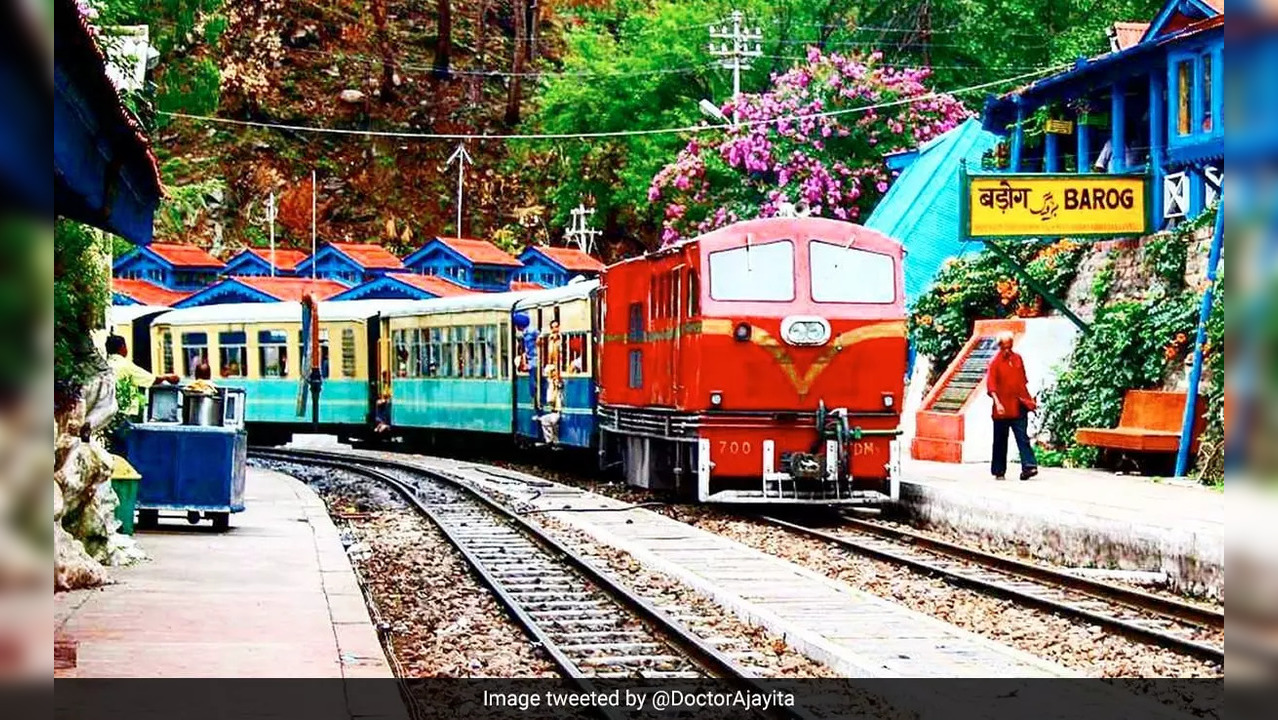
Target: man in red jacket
1013 403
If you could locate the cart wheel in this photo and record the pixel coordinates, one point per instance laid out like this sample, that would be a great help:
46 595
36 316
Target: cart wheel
193 517
148 519
221 520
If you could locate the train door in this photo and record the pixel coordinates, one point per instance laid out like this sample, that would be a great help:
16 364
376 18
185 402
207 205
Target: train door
537 362
596 333
376 363
675 301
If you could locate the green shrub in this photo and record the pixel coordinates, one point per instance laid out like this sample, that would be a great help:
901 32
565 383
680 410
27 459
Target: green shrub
81 294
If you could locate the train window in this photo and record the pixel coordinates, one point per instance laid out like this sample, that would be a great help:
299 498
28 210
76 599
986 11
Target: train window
503 341
348 352
635 333
166 352
636 369
232 352
195 350
675 289
272 353
851 275
324 353
763 272
693 306
421 349
436 360
400 353
577 358
448 368
488 351
466 351
323 358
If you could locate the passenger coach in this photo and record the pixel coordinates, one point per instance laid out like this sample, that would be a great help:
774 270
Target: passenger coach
257 347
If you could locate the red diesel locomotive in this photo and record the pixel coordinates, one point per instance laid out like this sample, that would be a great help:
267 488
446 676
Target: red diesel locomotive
762 362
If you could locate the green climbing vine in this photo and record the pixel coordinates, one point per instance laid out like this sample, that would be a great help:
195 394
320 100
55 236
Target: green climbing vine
1103 281
1133 344
978 286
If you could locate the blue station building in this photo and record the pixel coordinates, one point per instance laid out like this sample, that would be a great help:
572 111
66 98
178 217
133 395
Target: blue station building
473 264
1152 105
174 266
349 263
555 266
256 262
404 286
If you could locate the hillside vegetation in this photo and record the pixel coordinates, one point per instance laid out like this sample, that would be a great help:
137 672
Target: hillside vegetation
501 67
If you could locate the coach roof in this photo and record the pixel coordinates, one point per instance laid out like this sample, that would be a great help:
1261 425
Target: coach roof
254 313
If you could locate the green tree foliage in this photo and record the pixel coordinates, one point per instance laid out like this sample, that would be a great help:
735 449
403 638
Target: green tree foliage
975 41
616 78
182 31
81 293
646 65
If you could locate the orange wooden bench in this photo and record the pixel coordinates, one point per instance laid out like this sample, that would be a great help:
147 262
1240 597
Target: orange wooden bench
1151 422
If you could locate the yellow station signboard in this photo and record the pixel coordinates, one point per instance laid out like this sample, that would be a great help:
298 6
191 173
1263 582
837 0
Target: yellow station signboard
1056 205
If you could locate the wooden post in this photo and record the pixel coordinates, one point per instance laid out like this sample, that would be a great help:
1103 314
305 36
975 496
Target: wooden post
1117 129
1157 139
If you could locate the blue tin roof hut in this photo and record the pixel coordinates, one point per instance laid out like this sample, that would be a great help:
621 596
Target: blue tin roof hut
921 210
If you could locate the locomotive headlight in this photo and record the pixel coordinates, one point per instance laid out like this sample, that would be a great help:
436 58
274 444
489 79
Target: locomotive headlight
741 332
716 398
888 400
805 330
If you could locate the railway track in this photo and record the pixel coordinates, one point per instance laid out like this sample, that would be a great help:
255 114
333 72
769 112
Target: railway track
1180 626
590 626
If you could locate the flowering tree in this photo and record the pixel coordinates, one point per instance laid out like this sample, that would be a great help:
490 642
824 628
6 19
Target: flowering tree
816 142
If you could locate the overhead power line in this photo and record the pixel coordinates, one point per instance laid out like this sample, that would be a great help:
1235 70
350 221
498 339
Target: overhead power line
405 135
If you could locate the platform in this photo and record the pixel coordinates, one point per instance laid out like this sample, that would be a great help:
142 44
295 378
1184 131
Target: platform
1078 518
275 596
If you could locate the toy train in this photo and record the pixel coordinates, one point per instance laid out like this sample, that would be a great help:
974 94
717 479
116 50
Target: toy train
760 363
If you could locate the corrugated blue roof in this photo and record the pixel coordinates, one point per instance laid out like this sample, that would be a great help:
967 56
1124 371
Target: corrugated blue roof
921 210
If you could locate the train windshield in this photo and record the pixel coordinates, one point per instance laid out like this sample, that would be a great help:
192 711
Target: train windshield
754 272
842 274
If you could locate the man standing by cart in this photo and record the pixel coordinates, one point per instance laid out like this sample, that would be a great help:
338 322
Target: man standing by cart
122 368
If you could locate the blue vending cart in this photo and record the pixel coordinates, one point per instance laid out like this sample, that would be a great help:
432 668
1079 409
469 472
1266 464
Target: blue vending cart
191 462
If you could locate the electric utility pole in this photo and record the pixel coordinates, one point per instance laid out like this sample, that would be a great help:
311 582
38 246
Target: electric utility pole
738 45
461 157
270 219
579 230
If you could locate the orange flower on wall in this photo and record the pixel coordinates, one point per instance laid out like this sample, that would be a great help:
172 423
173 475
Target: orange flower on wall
1007 291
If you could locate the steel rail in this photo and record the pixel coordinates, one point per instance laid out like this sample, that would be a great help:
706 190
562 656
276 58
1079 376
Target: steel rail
702 654
1020 571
